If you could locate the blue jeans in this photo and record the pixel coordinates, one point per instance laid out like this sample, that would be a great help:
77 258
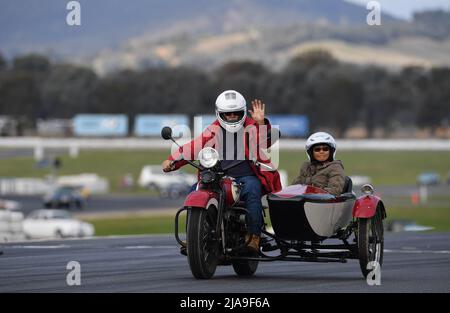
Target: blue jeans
251 195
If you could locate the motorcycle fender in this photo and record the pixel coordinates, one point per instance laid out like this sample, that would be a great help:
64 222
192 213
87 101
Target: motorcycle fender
201 199
366 206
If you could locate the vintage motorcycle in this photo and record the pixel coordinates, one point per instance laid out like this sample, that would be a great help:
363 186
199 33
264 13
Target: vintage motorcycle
302 217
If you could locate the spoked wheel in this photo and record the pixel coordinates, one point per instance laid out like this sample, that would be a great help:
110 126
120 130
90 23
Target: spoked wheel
370 241
202 248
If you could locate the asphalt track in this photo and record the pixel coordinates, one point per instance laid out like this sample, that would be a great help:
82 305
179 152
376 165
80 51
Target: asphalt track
414 262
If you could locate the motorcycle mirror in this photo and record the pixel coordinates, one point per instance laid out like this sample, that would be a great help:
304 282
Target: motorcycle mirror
166 133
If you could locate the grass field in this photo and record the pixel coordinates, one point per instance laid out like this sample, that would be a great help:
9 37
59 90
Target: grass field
439 218
385 168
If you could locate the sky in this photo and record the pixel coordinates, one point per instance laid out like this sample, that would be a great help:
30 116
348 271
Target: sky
405 8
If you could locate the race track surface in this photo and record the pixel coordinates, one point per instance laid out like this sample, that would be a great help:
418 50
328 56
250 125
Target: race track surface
413 262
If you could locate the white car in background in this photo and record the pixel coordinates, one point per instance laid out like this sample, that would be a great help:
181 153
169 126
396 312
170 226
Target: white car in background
153 177
55 224
359 180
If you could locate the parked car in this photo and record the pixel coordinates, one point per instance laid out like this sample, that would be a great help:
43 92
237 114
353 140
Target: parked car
359 180
10 205
175 191
428 178
153 178
11 221
64 196
47 223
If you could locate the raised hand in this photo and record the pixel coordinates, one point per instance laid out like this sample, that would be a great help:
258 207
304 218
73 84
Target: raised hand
258 111
168 166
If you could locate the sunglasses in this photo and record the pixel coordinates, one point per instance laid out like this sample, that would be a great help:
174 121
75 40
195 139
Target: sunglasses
226 115
238 113
324 148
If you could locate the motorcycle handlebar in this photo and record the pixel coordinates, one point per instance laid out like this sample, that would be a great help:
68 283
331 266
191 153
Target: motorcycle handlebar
199 167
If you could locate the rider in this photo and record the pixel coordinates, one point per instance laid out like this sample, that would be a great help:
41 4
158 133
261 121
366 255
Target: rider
323 170
230 130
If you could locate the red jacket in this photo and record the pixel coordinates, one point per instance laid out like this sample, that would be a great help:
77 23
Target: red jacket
270 180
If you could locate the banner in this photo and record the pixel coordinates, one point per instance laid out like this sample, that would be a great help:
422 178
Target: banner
151 124
291 125
100 125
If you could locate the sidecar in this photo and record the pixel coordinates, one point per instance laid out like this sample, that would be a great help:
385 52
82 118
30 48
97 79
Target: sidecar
308 213
303 217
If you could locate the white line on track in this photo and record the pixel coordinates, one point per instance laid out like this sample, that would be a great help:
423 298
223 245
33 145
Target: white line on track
409 250
418 251
149 247
39 247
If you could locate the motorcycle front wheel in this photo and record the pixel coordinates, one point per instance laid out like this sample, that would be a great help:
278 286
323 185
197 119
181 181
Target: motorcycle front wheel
202 246
370 241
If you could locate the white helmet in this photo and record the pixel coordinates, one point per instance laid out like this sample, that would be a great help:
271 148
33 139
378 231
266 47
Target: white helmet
231 101
320 138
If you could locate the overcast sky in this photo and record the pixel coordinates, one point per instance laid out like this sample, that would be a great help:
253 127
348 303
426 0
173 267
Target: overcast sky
405 8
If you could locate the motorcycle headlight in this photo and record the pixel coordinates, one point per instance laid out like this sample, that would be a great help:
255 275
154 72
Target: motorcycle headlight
367 189
208 157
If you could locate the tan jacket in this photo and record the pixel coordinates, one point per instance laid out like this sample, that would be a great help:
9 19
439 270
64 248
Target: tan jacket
328 176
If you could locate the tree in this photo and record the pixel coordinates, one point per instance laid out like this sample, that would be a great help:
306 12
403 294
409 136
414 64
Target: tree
246 77
313 58
19 96
375 108
180 90
2 63
288 91
337 97
32 63
236 67
68 90
116 93
164 90
436 109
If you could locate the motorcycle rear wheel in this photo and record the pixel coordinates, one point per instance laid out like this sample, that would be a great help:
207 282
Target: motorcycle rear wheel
245 268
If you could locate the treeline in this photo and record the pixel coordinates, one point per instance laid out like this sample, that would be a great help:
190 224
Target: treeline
334 95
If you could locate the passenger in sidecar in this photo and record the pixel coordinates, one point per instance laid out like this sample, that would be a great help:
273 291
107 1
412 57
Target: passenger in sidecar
322 170
320 199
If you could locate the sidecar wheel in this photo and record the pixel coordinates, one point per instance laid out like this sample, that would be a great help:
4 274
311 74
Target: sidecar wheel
370 241
245 268
202 250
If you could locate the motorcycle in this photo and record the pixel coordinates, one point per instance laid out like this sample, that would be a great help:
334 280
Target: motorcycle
302 217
